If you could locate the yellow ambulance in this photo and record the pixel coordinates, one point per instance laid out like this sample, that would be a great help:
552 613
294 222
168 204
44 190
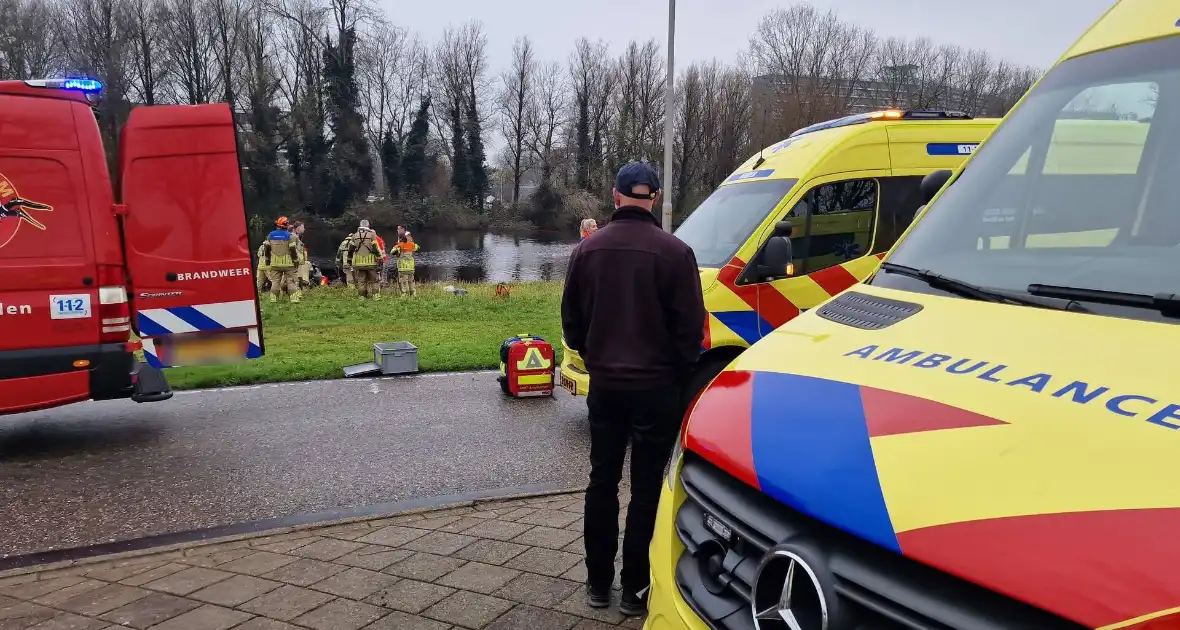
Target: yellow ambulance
985 433
844 190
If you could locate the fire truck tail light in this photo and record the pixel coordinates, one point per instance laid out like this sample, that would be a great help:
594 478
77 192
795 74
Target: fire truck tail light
112 295
112 305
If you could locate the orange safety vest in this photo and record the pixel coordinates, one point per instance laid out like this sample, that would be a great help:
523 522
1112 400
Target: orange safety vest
381 246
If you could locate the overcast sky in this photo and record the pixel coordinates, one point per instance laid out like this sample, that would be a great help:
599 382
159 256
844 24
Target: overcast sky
1033 32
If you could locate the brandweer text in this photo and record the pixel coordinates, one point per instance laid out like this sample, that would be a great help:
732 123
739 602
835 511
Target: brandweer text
212 275
1080 392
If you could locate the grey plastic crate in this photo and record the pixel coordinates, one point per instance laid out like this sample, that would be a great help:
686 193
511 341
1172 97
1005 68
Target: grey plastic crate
398 357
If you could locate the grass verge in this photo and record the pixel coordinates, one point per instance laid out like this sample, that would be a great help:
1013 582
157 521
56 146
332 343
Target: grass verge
333 328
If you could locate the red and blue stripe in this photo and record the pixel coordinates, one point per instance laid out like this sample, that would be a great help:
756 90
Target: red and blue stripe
806 442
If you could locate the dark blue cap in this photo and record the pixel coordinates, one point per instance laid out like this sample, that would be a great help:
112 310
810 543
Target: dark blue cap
635 174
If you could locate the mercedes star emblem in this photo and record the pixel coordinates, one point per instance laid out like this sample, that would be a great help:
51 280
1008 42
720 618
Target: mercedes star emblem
787 594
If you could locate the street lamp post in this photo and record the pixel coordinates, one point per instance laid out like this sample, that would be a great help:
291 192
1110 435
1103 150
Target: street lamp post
669 117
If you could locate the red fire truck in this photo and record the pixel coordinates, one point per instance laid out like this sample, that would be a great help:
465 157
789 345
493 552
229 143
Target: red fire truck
90 277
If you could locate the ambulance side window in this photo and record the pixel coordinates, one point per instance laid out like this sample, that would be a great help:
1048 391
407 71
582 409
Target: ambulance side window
840 224
900 199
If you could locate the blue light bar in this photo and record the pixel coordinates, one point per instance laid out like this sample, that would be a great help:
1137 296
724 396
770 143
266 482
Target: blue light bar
84 85
90 86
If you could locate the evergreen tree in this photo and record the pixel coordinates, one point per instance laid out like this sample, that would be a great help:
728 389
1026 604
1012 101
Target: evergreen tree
477 172
582 139
348 173
391 164
460 164
262 158
414 162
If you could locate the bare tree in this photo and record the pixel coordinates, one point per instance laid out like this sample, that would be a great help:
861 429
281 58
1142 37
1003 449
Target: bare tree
713 124
851 65
449 86
516 95
799 53
380 59
147 66
189 50
733 140
31 39
100 36
971 83
226 17
593 82
411 83
691 132
895 68
546 116
638 104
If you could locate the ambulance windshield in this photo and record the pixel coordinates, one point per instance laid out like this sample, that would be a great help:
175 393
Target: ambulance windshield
726 219
1076 189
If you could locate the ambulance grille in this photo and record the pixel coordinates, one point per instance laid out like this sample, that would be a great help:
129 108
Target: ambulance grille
867 312
876 589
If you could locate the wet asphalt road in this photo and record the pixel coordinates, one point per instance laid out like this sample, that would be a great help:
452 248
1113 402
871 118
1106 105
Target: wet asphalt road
96 472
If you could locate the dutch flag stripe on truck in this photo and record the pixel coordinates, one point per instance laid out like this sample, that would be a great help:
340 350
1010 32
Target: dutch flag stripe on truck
157 322
154 322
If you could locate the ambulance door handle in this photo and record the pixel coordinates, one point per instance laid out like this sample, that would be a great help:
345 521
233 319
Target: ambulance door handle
170 276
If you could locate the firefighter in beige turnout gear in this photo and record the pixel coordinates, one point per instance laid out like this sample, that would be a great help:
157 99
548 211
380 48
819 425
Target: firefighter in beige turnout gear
364 257
303 271
342 261
281 255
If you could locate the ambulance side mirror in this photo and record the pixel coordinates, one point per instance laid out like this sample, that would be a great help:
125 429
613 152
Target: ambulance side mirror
932 183
777 257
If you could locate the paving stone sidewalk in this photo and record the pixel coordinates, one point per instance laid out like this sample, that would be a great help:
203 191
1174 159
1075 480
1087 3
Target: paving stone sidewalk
496 565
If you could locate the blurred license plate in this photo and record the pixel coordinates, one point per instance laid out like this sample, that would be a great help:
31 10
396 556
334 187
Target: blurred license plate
208 349
714 524
569 385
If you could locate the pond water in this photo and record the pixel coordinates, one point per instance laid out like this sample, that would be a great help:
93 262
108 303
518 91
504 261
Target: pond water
466 255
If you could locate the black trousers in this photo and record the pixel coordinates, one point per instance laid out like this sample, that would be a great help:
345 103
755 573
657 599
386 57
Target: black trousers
650 420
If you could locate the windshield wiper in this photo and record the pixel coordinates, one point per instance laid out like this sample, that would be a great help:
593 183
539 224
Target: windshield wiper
976 292
1166 304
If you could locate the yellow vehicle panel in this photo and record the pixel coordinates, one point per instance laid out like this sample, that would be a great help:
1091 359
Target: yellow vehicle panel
849 241
1127 22
1021 435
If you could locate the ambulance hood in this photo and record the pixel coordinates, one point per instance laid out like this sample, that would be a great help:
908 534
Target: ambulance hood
1034 452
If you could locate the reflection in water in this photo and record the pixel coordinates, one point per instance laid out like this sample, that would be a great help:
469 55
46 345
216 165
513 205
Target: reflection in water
467 255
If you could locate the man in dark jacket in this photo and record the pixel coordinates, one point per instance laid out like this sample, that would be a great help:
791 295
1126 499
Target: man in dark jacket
633 310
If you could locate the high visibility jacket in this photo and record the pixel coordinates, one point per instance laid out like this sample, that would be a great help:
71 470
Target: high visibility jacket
262 266
280 250
301 247
381 246
342 252
405 256
363 252
405 262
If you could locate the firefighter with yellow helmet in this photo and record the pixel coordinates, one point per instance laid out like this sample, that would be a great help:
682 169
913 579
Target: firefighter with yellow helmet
281 255
364 257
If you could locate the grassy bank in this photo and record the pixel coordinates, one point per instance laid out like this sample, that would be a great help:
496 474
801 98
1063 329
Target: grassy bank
333 328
